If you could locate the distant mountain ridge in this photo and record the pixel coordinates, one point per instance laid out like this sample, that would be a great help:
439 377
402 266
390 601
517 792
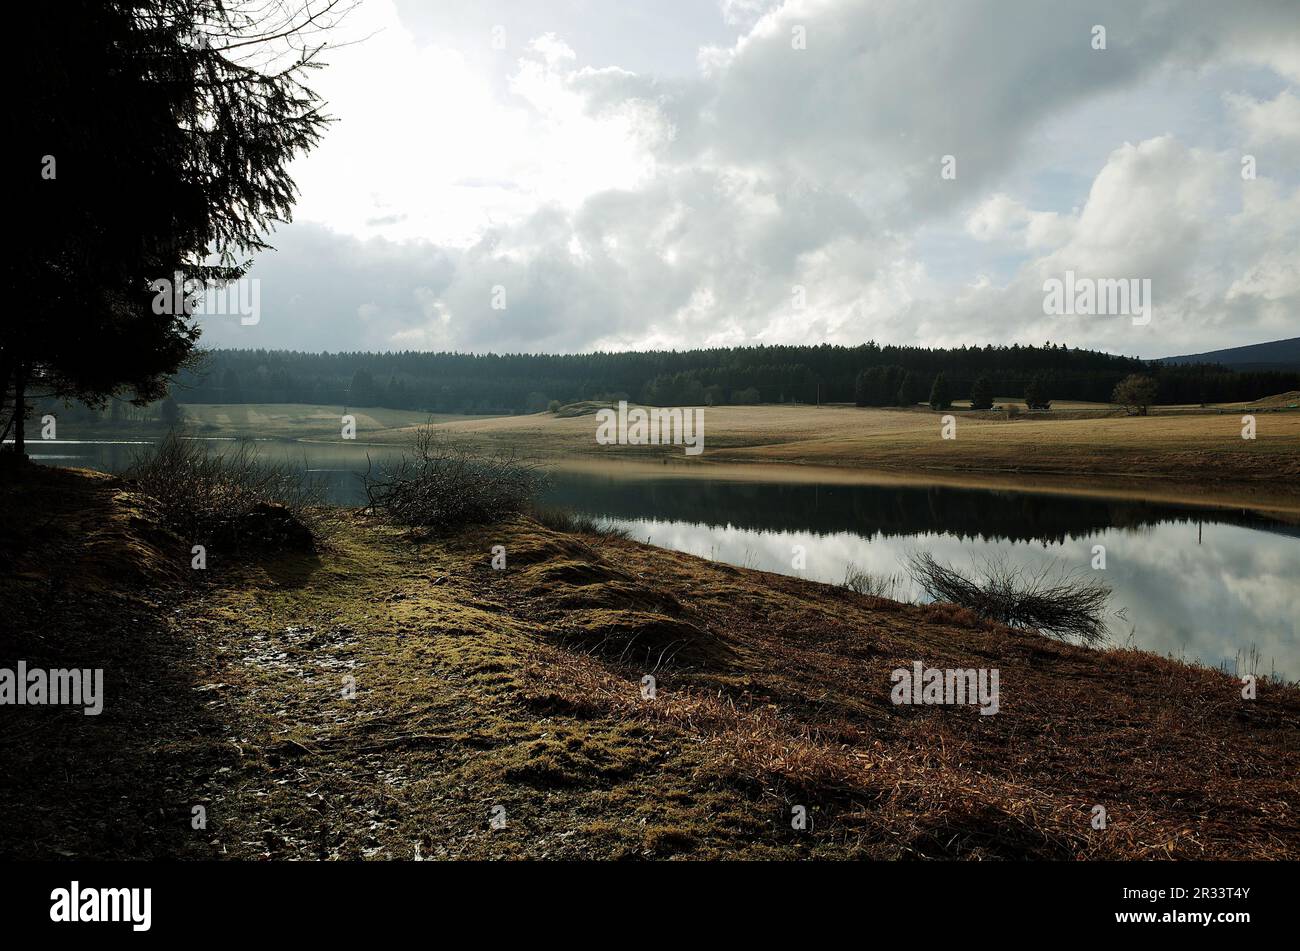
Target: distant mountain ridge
1275 355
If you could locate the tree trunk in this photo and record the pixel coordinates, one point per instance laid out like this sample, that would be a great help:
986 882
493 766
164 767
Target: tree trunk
6 368
20 412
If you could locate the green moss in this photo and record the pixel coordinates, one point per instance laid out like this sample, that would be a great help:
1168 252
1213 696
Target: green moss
568 755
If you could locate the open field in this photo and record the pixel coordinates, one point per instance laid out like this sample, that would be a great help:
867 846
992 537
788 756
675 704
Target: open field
1177 456
521 688
297 420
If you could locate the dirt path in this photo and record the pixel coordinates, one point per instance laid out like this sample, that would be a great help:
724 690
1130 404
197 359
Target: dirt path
374 698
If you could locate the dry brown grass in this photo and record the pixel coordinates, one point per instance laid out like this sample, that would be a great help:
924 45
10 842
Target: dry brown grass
1178 453
477 688
800 715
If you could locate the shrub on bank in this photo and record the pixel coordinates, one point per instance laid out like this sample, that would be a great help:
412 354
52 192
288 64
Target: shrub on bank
444 484
1019 597
231 497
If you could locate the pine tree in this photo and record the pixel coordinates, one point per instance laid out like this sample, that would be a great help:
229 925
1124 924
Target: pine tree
165 132
1036 393
981 394
940 398
893 383
362 390
907 394
860 388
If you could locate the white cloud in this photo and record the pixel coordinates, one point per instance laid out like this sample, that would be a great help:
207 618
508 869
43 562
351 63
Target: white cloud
553 49
1220 253
1270 121
745 12
623 208
430 146
1002 219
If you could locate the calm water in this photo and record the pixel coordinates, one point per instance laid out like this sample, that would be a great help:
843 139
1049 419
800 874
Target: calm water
1195 583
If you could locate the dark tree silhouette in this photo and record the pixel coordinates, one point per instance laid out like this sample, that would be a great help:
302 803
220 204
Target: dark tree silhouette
155 145
907 390
981 394
1036 393
861 389
940 397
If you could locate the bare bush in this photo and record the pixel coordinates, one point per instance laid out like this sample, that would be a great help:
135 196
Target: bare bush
444 484
1061 605
206 495
864 582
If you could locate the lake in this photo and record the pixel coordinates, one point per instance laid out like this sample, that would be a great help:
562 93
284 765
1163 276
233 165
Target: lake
1218 586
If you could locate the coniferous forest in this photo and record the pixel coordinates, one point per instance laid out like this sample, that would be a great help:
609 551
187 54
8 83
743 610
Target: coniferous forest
869 375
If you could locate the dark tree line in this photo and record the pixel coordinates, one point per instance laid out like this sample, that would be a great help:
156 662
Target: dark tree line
869 375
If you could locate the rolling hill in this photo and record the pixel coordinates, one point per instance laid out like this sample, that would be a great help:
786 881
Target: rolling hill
1275 355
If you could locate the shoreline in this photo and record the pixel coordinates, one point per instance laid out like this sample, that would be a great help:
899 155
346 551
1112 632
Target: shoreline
1159 489
1182 457
525 687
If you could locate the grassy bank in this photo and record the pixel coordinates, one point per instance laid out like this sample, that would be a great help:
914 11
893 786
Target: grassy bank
522 689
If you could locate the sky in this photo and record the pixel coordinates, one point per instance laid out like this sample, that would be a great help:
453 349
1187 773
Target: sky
576 175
